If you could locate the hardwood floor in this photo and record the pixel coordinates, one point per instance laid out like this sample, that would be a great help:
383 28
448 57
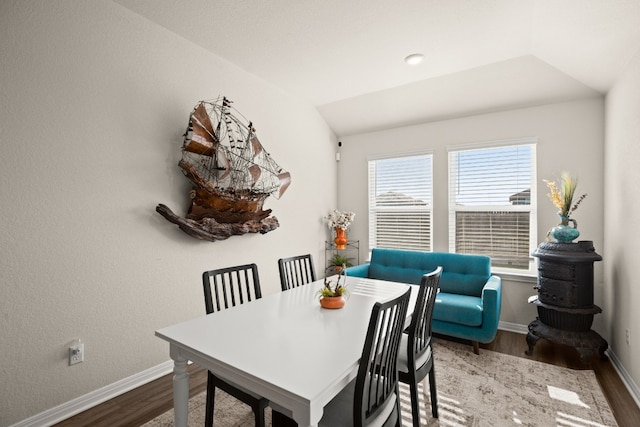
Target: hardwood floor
147 402
139 405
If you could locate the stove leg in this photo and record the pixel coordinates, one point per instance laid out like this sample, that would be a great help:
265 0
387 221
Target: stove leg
586 354
602 349
531 342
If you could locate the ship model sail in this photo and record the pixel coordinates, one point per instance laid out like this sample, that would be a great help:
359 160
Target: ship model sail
231 172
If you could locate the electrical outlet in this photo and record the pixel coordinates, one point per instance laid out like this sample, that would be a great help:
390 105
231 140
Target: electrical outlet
76 353
628 337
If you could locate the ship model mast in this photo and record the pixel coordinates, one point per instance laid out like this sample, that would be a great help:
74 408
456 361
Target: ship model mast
231 172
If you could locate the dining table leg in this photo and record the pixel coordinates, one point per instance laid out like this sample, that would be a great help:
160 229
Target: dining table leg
308 416
180 388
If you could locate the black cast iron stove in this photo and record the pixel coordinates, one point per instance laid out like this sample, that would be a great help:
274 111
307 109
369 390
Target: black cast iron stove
565 298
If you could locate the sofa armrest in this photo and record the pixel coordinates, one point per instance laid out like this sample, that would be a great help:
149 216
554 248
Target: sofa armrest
491 305
361 270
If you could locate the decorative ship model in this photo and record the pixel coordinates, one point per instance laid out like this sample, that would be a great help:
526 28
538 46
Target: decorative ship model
231 173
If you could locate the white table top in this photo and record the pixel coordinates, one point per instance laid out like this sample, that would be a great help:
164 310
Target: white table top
284 346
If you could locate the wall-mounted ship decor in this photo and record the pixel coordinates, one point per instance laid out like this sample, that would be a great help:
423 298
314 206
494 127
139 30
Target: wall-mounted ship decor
231 173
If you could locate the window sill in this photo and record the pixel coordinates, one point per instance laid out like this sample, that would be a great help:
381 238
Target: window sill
524 277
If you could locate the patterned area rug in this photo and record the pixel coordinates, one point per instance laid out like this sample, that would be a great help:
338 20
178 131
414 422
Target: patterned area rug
490 389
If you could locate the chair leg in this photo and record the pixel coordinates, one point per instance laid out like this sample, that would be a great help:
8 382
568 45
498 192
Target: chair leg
415 403
434 394
258 411
259 416
476 347
211 398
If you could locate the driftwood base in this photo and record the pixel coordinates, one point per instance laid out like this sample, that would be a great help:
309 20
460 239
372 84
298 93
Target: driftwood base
211 230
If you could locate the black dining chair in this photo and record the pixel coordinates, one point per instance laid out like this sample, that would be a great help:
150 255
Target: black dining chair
225 288
373 397
296 271
415 359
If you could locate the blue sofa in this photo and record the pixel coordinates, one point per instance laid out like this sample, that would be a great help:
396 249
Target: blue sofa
468 304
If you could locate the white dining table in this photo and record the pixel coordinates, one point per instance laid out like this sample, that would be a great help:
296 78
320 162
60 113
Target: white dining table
283 347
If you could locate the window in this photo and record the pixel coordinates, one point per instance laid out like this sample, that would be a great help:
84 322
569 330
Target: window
490 202
400 202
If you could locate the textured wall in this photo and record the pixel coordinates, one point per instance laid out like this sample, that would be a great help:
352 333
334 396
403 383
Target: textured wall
622 216
94 102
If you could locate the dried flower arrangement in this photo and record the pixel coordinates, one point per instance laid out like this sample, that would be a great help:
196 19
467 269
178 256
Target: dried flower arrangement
337 219
562 195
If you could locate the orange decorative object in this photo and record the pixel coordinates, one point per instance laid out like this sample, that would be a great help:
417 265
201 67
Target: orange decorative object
332 302
341 238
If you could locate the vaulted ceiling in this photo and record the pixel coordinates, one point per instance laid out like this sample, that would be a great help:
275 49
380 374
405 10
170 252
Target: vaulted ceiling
346 56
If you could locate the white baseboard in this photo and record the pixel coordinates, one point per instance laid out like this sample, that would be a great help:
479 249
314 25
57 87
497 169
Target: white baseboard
513 327
89 400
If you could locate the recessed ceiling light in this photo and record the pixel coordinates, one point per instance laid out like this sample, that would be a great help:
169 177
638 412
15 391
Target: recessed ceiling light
414 59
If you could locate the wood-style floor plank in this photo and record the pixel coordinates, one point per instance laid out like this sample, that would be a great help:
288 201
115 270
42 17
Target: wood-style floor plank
622 404
144 403
139 405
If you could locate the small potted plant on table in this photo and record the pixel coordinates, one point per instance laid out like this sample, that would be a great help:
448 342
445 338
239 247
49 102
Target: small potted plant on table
332 296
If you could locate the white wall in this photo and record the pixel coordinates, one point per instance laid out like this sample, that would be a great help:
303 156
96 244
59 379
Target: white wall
94 102
570 137
622 216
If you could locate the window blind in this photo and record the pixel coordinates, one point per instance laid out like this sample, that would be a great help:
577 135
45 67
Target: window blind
400 202
491 212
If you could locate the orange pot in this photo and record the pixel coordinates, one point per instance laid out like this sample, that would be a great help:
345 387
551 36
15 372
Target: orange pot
332 302
341 238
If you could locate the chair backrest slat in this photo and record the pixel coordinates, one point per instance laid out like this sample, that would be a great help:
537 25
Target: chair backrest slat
231 286
420 327
377 379
296 271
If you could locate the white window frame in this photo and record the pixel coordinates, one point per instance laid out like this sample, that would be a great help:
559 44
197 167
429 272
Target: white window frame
372 191
531 208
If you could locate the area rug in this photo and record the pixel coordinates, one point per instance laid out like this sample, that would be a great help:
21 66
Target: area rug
490 389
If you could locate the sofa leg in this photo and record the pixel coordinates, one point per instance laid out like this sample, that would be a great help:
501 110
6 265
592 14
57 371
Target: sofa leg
476 347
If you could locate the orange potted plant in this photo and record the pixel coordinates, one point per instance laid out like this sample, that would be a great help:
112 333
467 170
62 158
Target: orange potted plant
332 296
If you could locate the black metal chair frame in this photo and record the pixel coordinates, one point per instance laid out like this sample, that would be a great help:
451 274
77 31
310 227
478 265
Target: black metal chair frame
225 288
419 343
296 271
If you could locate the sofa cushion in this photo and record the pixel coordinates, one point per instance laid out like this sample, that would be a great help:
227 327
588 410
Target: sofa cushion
460 309
461 273
393 273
